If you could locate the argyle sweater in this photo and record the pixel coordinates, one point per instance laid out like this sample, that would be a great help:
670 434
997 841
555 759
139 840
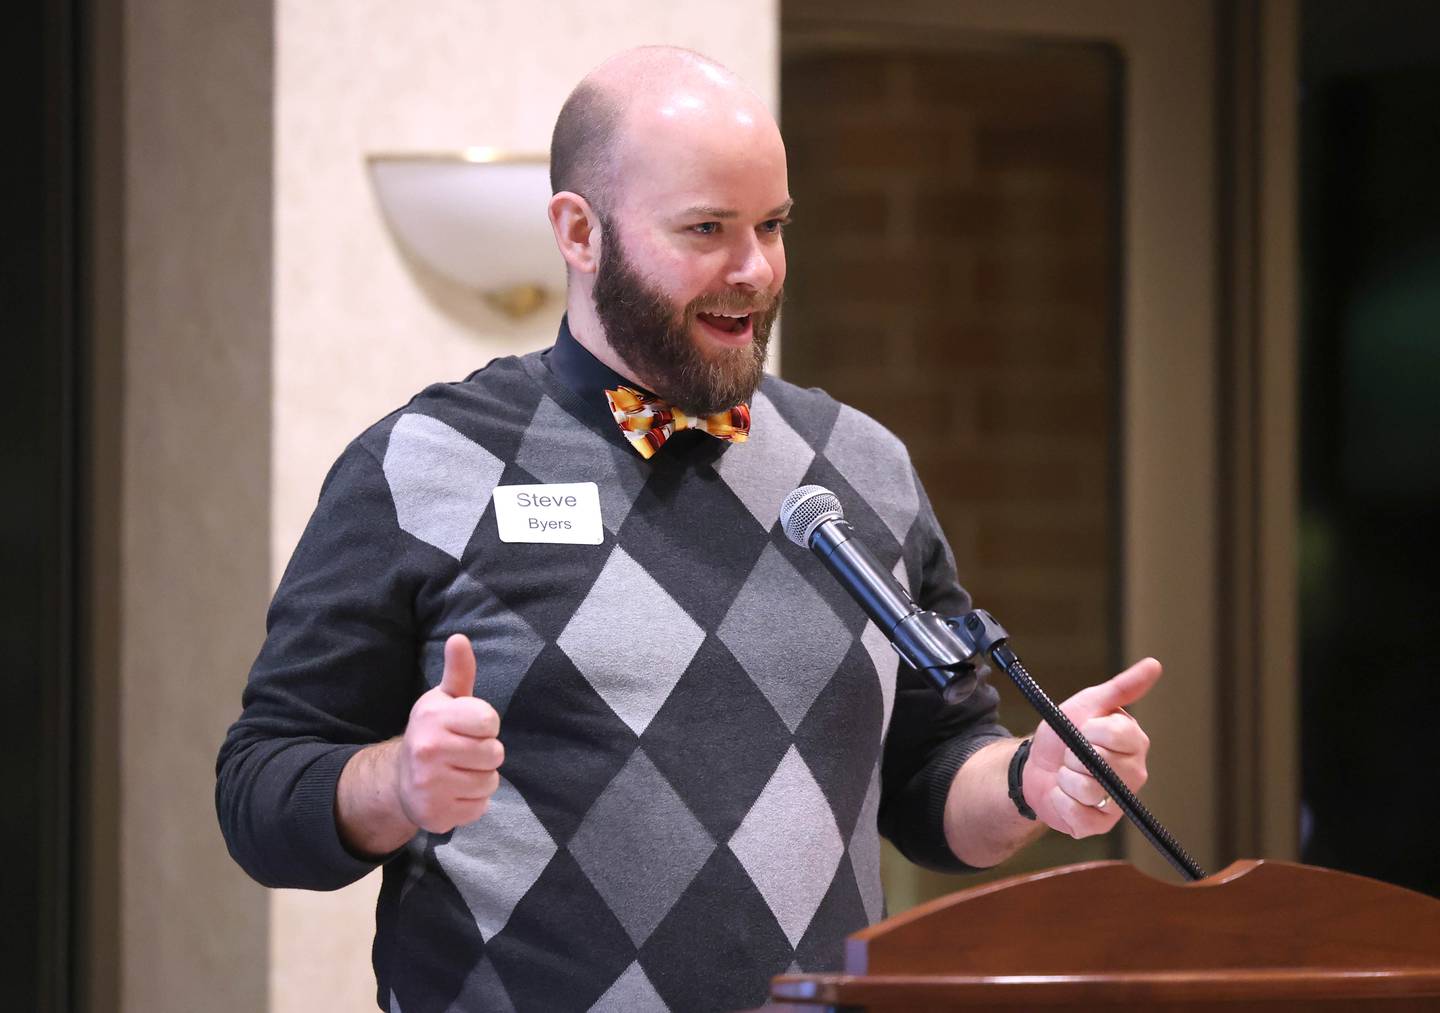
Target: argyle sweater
704 735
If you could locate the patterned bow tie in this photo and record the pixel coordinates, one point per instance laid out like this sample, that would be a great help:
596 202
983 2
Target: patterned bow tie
648 422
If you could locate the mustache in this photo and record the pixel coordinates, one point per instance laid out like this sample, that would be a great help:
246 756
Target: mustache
733 303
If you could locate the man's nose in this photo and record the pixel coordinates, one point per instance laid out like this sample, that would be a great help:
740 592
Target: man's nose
751 266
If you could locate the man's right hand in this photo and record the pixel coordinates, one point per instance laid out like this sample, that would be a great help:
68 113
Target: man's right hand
440 774
447 761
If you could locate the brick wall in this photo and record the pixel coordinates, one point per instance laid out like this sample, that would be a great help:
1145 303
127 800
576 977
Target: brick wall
952 273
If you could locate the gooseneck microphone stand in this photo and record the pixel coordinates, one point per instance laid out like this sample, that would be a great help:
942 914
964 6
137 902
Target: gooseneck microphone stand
987 638
950 653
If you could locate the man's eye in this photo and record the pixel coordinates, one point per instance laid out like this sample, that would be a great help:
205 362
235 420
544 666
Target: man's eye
774 225
706 228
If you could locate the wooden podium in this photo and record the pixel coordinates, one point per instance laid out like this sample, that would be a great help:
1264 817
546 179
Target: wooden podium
1259 935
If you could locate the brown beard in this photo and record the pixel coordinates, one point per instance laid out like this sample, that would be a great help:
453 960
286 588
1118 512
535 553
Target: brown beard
653 338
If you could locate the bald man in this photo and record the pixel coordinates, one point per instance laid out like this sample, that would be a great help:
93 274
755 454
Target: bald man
544 653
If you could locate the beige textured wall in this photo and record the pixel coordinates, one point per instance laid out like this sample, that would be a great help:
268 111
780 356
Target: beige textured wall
357 329
187 324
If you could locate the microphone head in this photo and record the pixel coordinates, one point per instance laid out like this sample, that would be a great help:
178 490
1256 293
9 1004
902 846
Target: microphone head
805 509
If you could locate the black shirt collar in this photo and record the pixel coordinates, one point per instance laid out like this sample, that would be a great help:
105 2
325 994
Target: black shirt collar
577 368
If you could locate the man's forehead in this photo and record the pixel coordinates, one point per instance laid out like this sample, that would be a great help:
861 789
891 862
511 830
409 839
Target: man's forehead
711 191
710 161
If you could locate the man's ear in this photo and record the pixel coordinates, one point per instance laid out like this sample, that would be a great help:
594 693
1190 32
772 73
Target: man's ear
577 231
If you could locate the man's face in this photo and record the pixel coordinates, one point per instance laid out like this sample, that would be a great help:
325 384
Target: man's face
667 343
692 264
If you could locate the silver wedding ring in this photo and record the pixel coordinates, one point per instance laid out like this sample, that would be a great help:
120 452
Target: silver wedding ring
1103 802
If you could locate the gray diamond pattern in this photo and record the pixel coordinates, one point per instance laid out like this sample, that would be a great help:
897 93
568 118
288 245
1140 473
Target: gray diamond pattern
865 852
580 456
634 673
505 645
887 667
440 481
785 635
640 846
876 464
685 593
763 470
496 859
790 845
631 993
883 657
483 989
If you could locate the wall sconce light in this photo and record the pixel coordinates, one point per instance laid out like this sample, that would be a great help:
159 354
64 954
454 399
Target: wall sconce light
478 218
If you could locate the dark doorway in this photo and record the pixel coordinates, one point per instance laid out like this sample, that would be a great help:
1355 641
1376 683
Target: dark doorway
1370 437
42 324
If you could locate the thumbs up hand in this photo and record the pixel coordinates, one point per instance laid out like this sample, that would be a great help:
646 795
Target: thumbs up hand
1056 784
450 753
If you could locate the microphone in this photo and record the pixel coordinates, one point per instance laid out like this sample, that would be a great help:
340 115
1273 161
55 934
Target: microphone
812 519
942 652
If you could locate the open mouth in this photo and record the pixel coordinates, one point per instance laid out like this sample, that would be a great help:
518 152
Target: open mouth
733 324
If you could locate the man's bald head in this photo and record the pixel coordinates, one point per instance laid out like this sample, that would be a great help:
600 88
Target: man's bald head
670 199
621 95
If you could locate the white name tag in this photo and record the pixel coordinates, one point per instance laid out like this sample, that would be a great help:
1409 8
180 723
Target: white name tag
568 512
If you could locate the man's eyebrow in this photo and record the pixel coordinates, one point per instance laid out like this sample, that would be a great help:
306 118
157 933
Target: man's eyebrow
706 211
725 214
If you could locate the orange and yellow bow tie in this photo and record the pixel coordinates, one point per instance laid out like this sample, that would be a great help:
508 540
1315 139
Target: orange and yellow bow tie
648 422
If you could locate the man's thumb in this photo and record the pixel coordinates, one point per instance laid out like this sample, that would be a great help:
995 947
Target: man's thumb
1131 684
458 678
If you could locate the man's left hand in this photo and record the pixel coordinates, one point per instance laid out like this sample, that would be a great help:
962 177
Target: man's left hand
1058 787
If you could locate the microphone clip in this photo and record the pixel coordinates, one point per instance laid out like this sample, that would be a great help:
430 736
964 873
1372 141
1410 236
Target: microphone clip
979 631
978 634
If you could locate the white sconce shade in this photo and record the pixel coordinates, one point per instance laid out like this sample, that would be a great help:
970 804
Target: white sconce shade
478 218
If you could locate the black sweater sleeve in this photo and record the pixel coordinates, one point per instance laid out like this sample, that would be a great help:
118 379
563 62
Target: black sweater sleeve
338 670
928 740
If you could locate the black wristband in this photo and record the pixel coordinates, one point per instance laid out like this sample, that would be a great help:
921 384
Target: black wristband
1017 792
